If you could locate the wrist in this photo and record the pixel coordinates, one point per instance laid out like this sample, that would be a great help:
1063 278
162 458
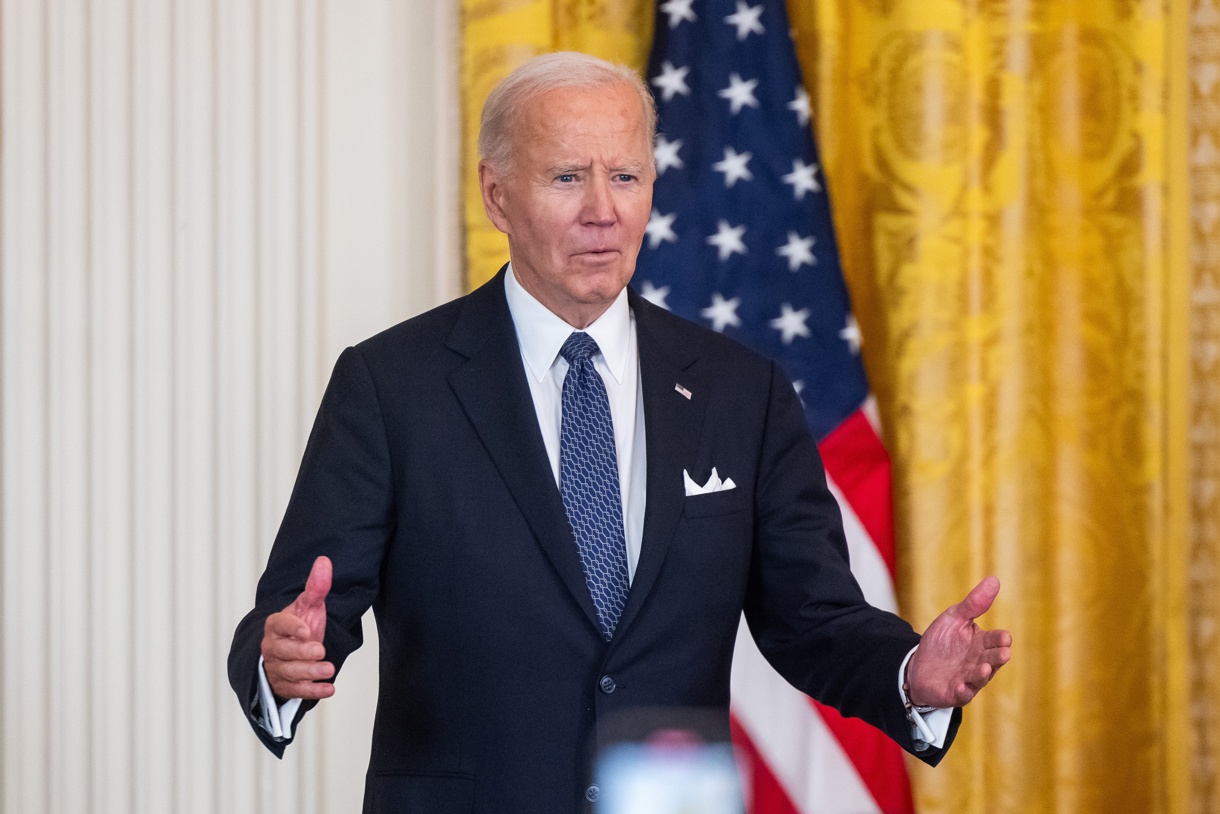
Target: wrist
907 699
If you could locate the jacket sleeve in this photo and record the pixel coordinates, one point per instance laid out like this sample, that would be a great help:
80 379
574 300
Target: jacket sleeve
803 606
342 506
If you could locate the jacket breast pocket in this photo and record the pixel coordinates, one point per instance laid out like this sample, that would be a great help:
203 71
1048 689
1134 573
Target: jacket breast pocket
715 504
432 793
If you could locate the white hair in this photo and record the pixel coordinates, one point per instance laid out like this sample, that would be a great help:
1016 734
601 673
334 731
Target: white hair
562 69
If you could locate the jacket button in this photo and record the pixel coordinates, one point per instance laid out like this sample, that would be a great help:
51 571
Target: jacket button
592 793
607 684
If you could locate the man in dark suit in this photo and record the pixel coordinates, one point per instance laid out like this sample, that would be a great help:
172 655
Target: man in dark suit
558 499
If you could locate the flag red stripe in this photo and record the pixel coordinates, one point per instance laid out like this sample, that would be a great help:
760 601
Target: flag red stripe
856 460
878 760
762 789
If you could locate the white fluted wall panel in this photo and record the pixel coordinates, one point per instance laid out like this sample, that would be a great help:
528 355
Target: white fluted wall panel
201 203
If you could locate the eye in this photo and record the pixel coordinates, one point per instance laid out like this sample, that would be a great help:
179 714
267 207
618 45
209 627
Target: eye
625 178
566 178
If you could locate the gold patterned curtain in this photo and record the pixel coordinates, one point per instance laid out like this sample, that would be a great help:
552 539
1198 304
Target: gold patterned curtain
1010 199
1025 194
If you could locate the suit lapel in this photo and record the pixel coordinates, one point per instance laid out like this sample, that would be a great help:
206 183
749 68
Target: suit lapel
672 425
492 389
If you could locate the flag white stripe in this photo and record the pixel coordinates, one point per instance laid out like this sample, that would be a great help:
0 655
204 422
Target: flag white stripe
867 565
792 738
869 408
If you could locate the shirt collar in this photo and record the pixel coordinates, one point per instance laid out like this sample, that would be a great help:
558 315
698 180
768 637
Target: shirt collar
541 333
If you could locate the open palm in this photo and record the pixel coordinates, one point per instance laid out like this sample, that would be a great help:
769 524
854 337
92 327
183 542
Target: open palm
956 658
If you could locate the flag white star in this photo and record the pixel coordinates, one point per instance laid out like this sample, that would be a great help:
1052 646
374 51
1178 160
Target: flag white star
655 295
672 81
746 20
791 324
722 312
798 250
801 105
740 93
802 179
851 334
734 166
728 240
660 229
678 10
666 154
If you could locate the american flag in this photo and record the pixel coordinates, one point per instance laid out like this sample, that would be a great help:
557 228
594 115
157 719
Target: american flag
741 239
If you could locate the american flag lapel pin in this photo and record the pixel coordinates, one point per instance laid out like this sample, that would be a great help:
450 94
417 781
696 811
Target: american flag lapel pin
682 391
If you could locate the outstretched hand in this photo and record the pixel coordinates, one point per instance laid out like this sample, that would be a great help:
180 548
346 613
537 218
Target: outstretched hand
956 658
292 641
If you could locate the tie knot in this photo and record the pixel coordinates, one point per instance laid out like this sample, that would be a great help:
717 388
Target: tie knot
578 347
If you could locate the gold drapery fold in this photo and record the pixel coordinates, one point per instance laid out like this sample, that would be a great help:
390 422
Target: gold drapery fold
1013 215
499 35
1008 203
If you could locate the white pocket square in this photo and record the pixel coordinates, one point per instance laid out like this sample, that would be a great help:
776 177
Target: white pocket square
714 484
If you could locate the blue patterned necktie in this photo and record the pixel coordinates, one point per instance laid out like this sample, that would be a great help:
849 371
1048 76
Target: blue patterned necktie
588 481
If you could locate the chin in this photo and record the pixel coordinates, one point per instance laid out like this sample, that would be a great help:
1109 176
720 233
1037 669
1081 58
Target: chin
603 277
606 290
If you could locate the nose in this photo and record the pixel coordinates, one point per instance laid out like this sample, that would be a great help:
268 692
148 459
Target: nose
598 207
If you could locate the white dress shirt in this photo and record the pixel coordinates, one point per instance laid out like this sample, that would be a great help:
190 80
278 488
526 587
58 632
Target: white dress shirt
540 335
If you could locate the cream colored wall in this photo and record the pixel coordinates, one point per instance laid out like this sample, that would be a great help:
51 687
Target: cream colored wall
201 203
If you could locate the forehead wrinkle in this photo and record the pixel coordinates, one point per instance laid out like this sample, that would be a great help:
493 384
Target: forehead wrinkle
580 141
583 166
562 169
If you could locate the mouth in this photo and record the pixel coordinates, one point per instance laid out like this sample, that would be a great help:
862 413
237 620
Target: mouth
598 253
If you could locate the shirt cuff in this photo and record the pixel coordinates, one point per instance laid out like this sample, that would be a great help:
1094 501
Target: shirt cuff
277 722
929 725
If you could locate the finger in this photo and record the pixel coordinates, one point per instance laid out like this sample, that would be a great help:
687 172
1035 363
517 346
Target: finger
304 689
286 625
318 584
998 658
979 600
976 685
295 671
280 649
996 638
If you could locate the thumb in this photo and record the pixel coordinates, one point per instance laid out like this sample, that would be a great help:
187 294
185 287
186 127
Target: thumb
979 600
317 586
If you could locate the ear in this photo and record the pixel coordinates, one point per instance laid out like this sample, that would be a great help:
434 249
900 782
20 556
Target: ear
491 185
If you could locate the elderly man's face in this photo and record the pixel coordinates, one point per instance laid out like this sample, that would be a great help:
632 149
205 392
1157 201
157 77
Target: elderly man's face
577 202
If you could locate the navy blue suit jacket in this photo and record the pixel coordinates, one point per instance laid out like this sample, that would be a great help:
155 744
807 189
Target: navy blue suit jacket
426 482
